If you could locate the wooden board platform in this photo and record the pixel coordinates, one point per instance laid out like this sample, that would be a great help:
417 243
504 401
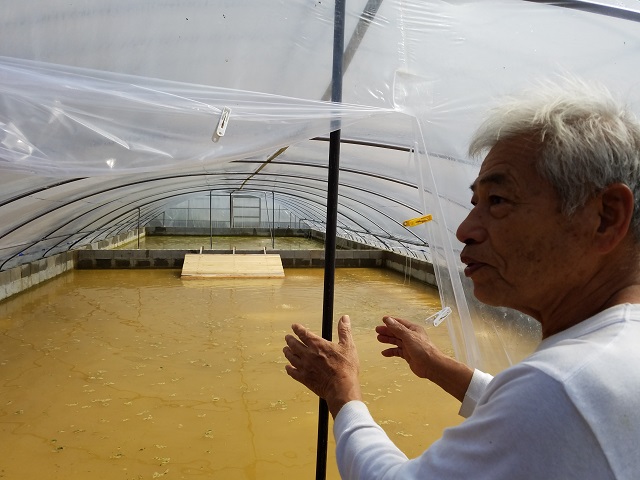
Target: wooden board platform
232 266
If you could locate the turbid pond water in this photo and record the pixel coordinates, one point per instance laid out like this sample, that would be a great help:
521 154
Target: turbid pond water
137 374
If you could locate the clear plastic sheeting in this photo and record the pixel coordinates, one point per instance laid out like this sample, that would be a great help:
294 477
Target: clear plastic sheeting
281 47
60 121
460 58
108 112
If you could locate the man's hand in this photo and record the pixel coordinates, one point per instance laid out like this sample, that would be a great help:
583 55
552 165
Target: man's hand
425 360
411 343
328 369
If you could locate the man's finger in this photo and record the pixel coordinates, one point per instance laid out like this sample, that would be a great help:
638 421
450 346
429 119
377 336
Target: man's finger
393 324
399 327
387 338
293 373
414 327
293 359
382 330
303 333
296 346
391 352
344 330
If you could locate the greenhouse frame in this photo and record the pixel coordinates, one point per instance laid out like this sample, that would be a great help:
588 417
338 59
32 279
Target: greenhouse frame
116 116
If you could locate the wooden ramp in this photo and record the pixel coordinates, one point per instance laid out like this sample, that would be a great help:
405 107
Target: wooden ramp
232 266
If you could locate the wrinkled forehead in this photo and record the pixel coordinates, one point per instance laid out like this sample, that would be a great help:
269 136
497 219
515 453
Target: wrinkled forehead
513 163
514 149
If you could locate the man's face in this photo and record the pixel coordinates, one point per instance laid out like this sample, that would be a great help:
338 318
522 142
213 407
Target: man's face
520 251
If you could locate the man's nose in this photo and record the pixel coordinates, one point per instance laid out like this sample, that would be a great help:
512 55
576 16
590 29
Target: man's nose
471 230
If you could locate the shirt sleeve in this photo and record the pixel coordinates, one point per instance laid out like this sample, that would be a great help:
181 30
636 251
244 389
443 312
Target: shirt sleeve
477 387
513 433
356 431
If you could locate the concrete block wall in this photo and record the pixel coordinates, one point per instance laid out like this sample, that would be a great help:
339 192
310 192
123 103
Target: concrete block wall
100 256
22 277
341 243
116 240
412 267
106 259
344 258
228 232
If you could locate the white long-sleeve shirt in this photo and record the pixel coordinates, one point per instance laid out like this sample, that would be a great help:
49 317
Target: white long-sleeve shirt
570 410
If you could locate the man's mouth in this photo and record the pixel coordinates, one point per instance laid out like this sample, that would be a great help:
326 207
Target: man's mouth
473 265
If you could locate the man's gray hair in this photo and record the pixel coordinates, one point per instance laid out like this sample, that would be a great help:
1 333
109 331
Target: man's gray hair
587 139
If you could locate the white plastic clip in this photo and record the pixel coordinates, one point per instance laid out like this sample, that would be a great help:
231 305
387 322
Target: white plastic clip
439 317
222 124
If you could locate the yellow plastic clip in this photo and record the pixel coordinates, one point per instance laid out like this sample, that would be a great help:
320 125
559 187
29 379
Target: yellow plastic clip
412 222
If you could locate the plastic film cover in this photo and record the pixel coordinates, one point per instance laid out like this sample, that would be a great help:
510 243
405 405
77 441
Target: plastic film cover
108 112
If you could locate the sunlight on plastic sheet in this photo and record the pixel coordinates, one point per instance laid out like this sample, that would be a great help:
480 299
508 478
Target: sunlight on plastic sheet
112 123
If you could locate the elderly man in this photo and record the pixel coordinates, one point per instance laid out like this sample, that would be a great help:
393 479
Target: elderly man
554 232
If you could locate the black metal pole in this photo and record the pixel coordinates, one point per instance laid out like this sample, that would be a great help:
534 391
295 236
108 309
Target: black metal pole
331 228
592 7
138 228
210 223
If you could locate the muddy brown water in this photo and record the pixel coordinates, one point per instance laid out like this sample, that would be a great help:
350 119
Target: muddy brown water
137 374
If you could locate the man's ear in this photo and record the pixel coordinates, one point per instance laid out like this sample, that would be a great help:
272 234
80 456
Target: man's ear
615 204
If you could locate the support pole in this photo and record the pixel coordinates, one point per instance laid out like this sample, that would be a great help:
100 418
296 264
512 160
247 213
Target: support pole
210 223
331 228
138 228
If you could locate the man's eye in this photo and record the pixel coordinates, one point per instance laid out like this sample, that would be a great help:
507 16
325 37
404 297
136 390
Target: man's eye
496 200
